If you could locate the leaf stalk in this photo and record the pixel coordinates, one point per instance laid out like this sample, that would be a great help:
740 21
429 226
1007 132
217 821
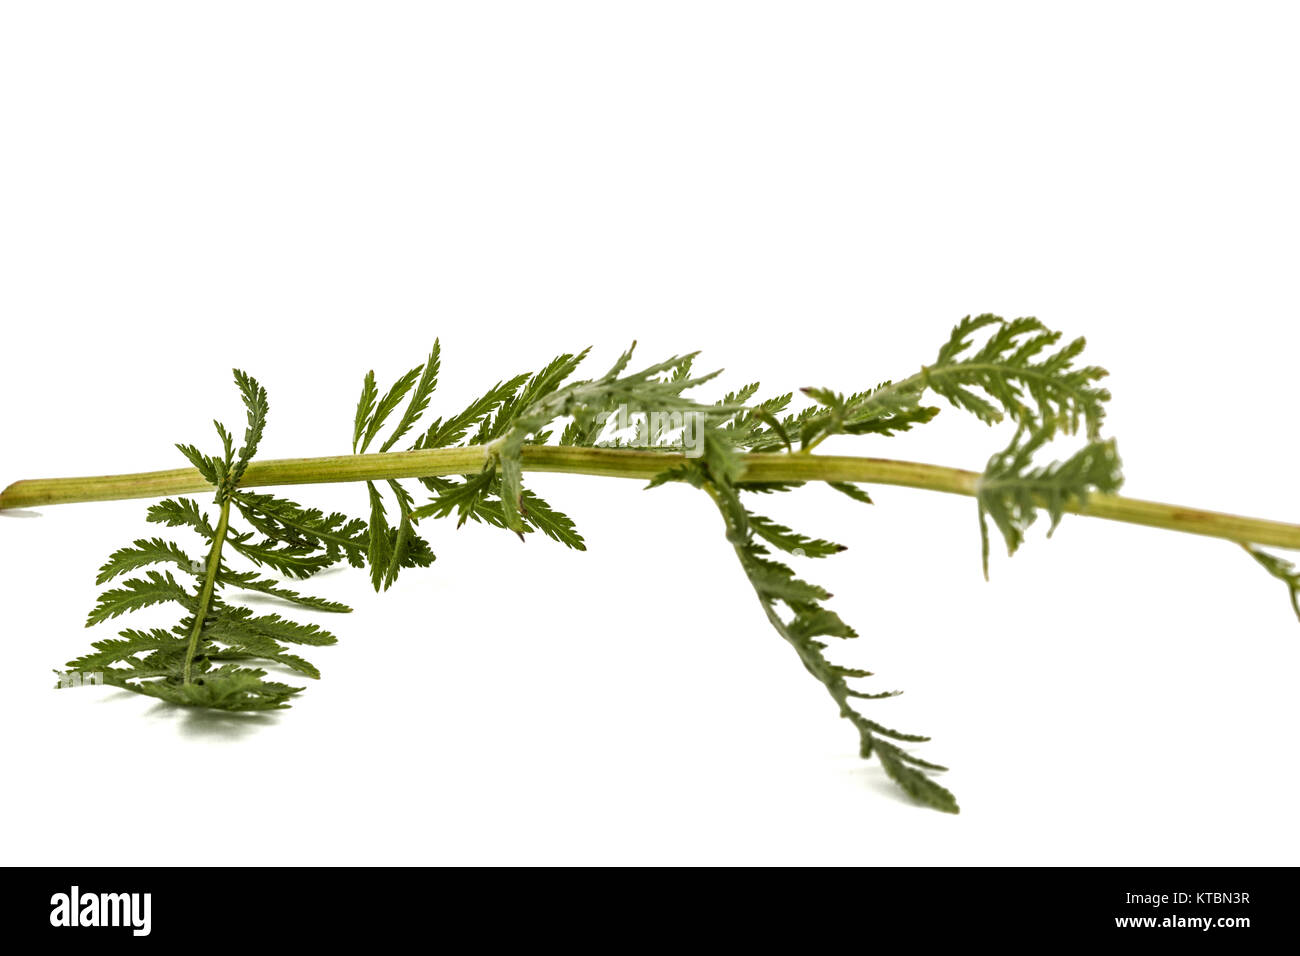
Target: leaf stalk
209 585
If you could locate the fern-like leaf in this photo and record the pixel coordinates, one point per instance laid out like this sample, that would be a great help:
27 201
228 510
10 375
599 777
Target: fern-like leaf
1012 491
137 593
249 581
1017 370
142 553
202 661
419 398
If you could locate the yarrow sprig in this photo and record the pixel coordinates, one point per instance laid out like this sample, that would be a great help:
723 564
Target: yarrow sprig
470 465
215 657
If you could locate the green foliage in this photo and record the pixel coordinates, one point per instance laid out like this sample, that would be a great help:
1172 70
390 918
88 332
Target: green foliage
138 593
883 410
387 550
254 396
544 398
792 541
144 552
203 660
520 411
248 581
181 513
307 531
851 490
1012 490
1020 376
1016 373
795 609
444 434
1013 374
218 654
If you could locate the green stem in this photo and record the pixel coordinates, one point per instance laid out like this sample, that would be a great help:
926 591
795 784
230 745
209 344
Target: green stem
625 463
209 585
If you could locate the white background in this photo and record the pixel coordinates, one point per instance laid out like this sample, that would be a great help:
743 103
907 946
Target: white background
811 193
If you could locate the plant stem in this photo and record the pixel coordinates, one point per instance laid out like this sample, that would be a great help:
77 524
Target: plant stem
209 584
625 463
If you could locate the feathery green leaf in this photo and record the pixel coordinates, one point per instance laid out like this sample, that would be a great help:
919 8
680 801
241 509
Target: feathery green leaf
142 553
1011 491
